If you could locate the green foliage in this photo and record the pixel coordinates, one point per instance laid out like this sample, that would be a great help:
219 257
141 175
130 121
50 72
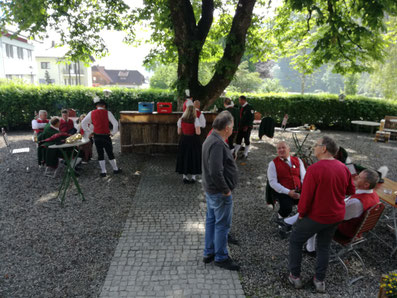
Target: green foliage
164 77
351 84
323 110
244 80
19 102
272 85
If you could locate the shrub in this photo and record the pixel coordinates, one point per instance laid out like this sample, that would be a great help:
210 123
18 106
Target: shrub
19 102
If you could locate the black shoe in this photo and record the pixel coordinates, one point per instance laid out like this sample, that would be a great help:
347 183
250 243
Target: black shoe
186 181
208 259
228 264
283 225
102 174
232 240
312 254
192 181
117 171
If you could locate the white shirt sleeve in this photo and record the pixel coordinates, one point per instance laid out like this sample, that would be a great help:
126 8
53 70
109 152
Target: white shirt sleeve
85 124
179 123
114 123
354 208
272 176
202 120
302 169
37 125
197 122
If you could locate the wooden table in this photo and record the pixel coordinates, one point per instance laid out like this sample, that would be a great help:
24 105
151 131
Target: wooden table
372 124
69 173
389 197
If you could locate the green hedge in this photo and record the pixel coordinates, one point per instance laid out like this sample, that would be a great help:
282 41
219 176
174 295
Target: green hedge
18 103
323 110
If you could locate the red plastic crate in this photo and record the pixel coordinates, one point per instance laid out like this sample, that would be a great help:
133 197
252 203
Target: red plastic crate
164 107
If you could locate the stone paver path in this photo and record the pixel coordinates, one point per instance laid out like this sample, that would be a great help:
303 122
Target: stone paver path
160 251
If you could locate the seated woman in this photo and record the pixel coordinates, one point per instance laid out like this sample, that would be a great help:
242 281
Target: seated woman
48 137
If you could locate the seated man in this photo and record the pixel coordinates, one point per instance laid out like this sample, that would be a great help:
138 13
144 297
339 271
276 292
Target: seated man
285 175
364 198
66 124
40 122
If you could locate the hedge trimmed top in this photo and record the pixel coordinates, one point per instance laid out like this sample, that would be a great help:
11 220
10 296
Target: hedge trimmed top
19 102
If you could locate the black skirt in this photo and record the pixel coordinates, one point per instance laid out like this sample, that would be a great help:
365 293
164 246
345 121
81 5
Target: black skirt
189 155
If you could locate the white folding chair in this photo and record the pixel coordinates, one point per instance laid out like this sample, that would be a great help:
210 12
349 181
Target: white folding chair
16 151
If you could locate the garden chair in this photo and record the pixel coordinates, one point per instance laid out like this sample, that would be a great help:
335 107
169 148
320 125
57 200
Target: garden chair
347 244
16 151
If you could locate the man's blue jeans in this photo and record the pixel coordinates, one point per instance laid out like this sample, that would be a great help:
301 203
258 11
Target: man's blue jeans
217 225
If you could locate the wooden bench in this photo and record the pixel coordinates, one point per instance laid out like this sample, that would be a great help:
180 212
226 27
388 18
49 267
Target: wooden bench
389 124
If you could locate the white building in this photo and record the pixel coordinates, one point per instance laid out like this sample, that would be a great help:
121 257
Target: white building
52 68
17 58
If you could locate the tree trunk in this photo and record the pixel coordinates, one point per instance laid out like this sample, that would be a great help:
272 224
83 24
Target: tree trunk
189 40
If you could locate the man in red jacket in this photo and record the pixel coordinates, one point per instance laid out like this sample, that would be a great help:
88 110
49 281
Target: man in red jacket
99 119
321 208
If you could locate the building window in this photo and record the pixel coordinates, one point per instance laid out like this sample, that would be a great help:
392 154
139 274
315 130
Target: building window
9 51
9 77
45 65
20 53
29 55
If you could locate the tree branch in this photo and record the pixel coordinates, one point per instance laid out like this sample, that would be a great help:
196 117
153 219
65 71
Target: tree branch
207 16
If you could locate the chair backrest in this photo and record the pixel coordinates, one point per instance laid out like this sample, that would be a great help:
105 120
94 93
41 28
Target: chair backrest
389 124
5 138
370 219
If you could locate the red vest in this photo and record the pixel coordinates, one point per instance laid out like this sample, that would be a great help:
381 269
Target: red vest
287 176
40 121
350 226
66 126
100 120
198 113
188 128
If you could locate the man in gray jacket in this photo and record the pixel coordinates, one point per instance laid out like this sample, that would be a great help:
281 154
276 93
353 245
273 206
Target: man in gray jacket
219 179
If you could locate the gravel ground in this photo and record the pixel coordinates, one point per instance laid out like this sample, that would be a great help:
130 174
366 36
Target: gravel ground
264 255
50 251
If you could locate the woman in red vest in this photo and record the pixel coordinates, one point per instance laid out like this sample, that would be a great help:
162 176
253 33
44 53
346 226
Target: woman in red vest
97 121
189 148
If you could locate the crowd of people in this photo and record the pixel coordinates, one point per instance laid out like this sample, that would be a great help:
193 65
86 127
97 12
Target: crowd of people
94 128
329 199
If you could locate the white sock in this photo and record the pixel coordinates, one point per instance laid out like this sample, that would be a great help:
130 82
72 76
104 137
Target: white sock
103 166
237 148
246 150
185 177
194 177
311 244
292 219
113 164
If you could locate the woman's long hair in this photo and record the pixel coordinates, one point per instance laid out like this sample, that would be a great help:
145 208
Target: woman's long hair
189 116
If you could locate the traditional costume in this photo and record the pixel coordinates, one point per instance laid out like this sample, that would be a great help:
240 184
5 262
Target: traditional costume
189 149
100 119
245 126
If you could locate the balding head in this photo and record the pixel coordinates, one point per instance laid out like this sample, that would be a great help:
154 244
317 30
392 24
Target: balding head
283 149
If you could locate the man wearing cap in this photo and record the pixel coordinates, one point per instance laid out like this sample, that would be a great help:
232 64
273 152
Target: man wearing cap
100 118
188 102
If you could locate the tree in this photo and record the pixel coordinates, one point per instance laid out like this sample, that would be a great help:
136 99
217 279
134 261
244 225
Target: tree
164 77
244 80
47 78
347 33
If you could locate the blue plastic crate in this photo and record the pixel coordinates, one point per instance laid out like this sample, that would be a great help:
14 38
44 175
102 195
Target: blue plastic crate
145 107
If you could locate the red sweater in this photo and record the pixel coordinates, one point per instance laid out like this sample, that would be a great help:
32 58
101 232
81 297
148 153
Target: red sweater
100 120
324 188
